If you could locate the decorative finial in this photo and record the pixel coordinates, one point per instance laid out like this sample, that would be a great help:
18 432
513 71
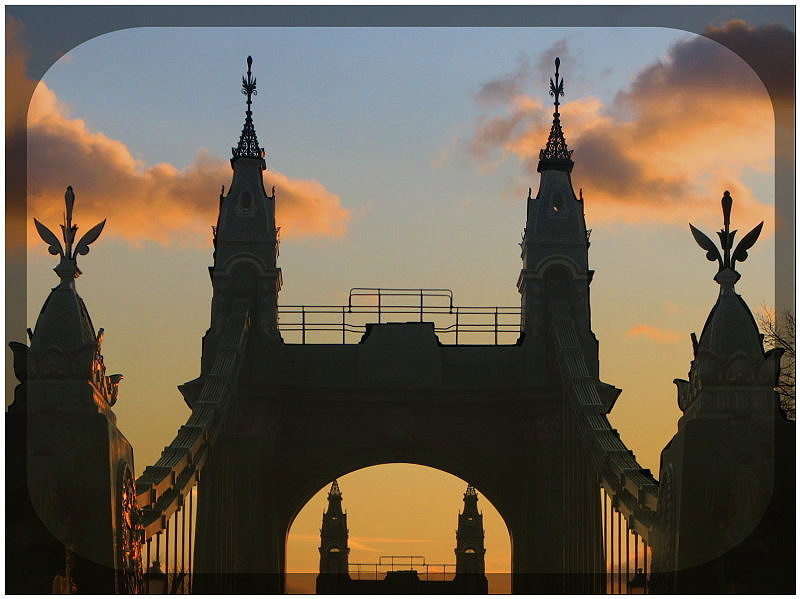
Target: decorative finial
67 268
557 86
248 142
249 84
726 260
470 490
530 190
556 155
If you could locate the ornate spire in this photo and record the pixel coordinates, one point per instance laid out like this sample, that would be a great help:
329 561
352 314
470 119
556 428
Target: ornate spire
727 275
556 153
67 268
470 490
248 142
335 490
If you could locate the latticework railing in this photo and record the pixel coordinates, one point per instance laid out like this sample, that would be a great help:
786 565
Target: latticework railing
166 491
629 492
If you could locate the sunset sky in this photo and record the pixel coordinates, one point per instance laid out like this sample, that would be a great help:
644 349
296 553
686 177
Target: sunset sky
401 158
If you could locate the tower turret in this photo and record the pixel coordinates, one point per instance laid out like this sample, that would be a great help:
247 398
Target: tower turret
555 264
333 549
469 536
722 488
245 237
71 485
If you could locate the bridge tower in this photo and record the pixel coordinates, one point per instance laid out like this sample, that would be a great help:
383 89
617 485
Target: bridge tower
726 495
333 550
73 524
245 238
555 243
495 415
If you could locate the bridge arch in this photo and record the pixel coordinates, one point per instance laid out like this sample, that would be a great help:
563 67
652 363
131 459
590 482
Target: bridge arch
423 500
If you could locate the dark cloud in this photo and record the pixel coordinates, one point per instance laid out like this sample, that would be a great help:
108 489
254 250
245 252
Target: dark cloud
769 49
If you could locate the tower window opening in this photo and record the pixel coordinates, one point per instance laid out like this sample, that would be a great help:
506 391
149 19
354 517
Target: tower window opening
469 550
246 201
334 549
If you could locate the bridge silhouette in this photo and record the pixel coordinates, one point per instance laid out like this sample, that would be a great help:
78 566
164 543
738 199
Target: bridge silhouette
290 398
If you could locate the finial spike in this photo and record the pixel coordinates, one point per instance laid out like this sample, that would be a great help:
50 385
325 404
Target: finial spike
726 260
556 148
67 269
248 142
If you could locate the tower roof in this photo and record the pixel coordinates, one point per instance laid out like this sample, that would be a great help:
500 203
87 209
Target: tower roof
730 332
248 141
556 155
335 491
64 327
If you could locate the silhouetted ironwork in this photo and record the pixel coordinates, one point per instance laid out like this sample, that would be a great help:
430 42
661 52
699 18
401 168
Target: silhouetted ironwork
556 147
248 141
68 269
451 322
726 260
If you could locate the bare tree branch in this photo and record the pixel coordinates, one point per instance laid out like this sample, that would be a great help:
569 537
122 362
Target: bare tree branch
779 331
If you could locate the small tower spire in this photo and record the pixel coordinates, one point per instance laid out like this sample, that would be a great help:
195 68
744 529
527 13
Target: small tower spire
248 141
556 154
333 549
335 491
470 550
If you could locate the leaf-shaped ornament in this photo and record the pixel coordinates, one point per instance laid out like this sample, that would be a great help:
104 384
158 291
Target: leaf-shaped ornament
89 237
712 253
54 245
740 254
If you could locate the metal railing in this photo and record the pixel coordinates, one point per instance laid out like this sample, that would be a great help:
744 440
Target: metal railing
484 325
398 563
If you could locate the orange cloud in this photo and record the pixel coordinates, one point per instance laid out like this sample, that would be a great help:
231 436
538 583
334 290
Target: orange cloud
665 149
654 333
149 203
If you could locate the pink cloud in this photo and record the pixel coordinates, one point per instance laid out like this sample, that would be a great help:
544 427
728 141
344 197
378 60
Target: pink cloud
158 203
654 333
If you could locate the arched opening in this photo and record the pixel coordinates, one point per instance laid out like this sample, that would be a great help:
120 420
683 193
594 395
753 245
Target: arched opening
559 282
399 517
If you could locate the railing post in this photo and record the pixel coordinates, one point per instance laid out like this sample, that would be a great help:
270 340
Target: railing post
420 305
303 323
495 326
379 305
343 326
451 307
